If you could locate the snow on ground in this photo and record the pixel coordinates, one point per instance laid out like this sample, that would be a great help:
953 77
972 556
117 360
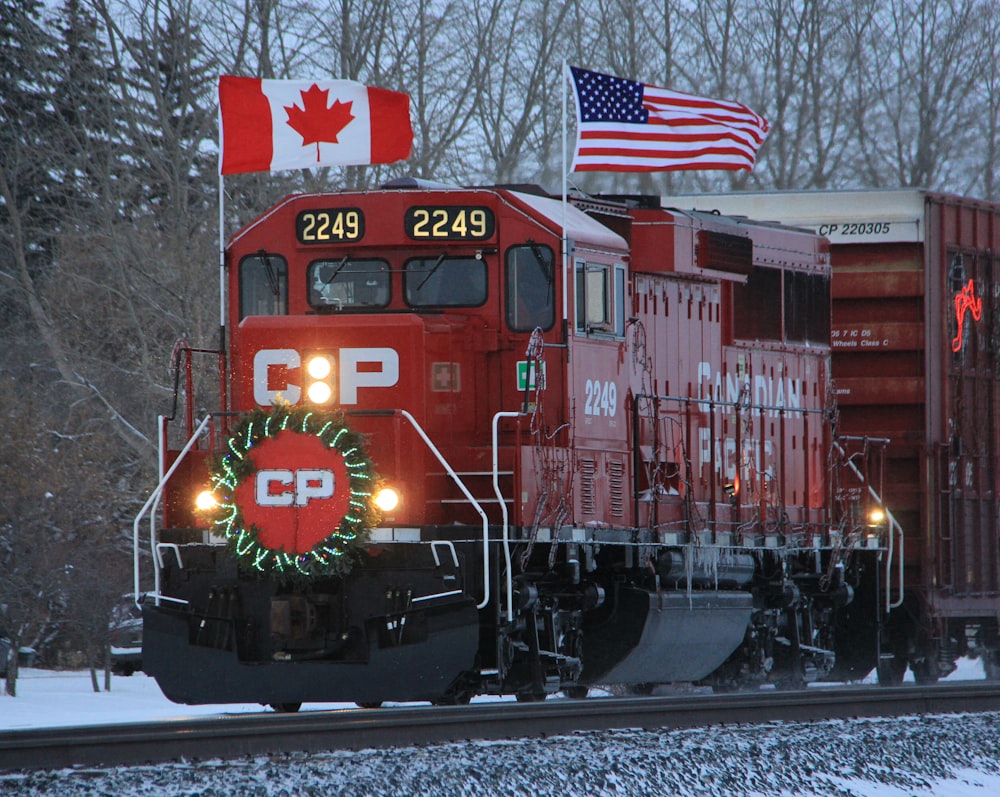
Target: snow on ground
929 756
50 699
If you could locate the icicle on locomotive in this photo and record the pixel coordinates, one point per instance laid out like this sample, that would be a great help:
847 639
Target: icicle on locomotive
620 466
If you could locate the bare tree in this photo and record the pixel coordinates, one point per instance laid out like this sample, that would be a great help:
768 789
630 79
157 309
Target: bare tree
807 50
923 72
429 47
986 98
156 261
57 517
517 85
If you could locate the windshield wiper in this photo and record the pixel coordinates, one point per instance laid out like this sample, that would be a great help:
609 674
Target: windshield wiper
336 271
272 275
430 273
536 250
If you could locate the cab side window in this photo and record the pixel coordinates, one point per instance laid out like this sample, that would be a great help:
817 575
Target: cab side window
601 293
593 298
530 287
263 285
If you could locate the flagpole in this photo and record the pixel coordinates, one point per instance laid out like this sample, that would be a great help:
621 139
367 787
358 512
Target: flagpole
222 262
222 236
565 237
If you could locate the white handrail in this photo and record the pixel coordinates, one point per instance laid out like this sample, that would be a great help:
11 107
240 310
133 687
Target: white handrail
503 510
461 486
893 526
888 562
153 499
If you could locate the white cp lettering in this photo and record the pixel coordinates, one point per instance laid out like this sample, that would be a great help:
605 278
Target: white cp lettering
351 378
305 484
263 362
361 367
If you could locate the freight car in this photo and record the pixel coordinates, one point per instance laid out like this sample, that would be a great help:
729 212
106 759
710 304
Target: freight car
483 441
916 338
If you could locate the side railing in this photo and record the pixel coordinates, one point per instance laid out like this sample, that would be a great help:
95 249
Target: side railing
505 519
151 506
894 530
663 423
456 479
465 491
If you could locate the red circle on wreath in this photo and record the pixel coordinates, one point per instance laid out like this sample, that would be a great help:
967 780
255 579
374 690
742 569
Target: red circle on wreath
298 493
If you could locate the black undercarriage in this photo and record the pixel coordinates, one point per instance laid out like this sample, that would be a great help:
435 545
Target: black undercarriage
411 623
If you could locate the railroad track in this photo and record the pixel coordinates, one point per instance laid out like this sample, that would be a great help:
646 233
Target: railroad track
252 734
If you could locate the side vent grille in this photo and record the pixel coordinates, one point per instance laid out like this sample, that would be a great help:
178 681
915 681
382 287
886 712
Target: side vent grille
723 252
616 481
587 501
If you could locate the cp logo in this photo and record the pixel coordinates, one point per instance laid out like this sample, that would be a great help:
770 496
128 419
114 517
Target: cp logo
362 367
306 484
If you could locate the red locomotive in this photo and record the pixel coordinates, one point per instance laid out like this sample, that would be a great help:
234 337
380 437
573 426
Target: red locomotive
483 441
915 359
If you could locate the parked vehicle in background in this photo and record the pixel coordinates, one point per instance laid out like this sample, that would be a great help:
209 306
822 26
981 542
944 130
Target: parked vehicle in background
4 655
126 638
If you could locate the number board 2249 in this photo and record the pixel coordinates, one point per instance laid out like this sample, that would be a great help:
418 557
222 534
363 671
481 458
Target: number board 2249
449 222
329 225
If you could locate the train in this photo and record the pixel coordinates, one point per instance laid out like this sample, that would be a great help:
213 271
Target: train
915 342
490 441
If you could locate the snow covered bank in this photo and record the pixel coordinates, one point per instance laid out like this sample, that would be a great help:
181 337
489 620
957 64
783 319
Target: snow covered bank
934 756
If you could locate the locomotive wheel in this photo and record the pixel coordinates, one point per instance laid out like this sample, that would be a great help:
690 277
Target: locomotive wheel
991 664
890 670
530 697
456 699
369 704
925 671
576 691
286 708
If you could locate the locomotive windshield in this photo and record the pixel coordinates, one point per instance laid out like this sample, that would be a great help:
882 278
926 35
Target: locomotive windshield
530 298
445 281
348 284
263 285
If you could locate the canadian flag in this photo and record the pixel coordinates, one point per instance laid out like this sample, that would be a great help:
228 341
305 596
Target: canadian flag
267 125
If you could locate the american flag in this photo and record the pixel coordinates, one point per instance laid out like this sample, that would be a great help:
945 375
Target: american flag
627 126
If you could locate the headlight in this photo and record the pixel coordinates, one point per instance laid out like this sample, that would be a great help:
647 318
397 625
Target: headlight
319 393
387 499
319 367
205 501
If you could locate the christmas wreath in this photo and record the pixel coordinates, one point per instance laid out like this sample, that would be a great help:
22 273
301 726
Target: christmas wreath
294 489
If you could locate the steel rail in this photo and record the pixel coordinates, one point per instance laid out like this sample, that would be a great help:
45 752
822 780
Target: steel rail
236 736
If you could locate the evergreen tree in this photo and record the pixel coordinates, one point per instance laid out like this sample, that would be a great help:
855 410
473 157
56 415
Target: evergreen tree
91 118
173 81
26 179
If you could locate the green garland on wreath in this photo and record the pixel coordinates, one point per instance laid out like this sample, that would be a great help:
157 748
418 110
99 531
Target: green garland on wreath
334 555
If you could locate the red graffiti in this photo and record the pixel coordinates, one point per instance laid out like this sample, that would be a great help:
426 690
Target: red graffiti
965 300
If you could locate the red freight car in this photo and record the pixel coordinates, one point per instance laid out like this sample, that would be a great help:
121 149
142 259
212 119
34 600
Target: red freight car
614 462
916 339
